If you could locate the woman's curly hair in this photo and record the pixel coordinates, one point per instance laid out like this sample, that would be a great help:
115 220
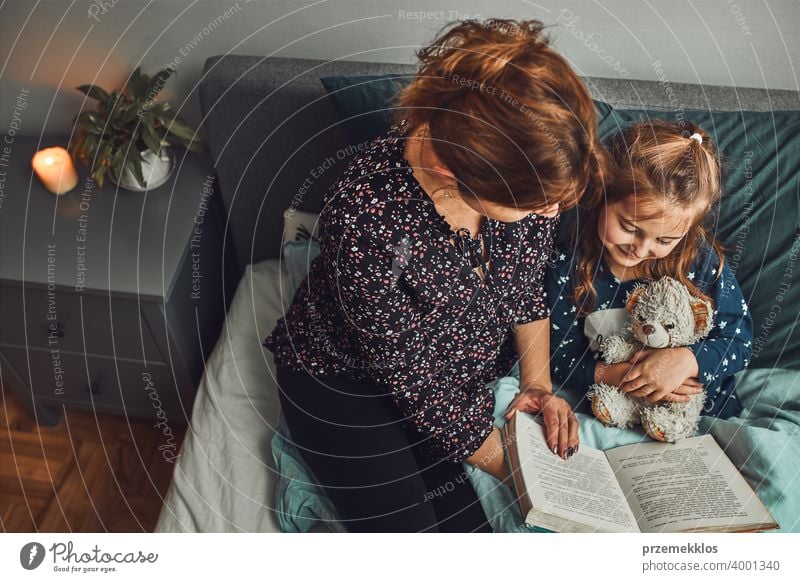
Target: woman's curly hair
507 115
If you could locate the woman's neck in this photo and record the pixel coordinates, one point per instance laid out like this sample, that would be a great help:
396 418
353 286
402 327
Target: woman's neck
457 213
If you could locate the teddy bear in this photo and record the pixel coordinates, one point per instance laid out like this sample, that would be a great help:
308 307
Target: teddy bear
663 314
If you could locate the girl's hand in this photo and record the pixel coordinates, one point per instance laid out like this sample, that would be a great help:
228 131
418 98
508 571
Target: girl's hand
560 422
683 393
656 374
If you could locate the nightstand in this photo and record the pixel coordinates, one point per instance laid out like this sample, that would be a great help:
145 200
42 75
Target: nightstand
110 299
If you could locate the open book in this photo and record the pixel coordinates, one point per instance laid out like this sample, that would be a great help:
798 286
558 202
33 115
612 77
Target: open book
644 487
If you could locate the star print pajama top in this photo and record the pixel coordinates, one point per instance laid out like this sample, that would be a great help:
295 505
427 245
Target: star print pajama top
391 300
575 341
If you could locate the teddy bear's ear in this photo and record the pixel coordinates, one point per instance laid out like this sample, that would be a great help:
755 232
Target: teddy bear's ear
703 317
633 298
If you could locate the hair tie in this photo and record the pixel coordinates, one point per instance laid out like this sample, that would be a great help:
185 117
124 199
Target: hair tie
697 136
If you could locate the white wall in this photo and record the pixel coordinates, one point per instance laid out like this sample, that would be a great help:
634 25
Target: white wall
49 47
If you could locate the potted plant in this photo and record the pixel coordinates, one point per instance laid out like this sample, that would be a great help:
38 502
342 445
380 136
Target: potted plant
128 135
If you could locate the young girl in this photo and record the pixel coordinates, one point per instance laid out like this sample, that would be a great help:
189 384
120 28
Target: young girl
649 225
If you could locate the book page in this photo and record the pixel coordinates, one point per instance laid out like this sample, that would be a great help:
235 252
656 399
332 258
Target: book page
687 485
581 489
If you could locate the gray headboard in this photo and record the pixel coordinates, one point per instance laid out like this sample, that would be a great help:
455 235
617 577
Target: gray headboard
270 126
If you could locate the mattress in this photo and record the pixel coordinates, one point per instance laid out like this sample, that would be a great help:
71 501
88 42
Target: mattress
224 478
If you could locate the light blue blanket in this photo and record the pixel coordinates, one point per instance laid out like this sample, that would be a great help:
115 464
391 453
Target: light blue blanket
763 442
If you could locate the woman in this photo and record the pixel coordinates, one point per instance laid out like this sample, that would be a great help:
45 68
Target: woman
429 282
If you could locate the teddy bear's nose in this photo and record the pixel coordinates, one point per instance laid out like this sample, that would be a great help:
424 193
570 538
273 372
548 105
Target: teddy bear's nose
648 329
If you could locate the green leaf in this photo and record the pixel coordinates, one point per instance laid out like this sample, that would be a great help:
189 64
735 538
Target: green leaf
128 115
196 145
135 163
103 154
180 130
135 85
157 82
89 148
118 163
117 99
151 138
96 93
99 175
158 108
117 158
134 136
91 121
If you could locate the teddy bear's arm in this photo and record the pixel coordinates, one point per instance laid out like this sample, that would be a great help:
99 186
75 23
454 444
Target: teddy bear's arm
616 349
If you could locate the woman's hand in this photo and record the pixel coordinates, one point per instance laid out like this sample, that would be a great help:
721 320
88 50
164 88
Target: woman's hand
662 375
560 422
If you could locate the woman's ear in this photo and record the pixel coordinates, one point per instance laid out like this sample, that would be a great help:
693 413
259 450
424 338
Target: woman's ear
444 173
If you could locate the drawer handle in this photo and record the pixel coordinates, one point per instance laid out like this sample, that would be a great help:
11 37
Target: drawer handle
94 387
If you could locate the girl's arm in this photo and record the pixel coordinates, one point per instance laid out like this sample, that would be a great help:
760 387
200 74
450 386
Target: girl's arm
729 346
572 361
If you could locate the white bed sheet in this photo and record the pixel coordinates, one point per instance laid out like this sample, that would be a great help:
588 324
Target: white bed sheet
224 478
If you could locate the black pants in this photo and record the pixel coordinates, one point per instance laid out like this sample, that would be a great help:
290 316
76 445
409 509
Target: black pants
368 461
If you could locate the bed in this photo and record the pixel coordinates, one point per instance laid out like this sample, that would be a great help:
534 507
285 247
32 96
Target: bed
224 479
269 125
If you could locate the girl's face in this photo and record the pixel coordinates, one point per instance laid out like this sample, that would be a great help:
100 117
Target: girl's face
641 227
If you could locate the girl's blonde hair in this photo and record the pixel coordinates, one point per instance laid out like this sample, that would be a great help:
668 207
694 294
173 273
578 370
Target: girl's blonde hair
506 114
659 159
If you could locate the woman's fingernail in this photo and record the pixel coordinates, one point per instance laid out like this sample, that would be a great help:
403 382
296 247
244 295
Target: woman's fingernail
576 447
570 450
555 450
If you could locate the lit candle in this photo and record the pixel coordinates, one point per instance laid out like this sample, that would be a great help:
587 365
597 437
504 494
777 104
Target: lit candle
55 170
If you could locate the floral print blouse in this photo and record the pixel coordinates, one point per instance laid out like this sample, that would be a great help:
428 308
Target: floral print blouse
390 300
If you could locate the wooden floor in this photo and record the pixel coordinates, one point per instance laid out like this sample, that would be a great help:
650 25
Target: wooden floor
88 474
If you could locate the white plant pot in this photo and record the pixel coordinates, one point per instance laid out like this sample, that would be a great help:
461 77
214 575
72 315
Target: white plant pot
155 169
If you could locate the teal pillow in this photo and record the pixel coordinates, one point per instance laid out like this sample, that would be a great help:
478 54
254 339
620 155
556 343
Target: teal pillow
364 103
758 219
